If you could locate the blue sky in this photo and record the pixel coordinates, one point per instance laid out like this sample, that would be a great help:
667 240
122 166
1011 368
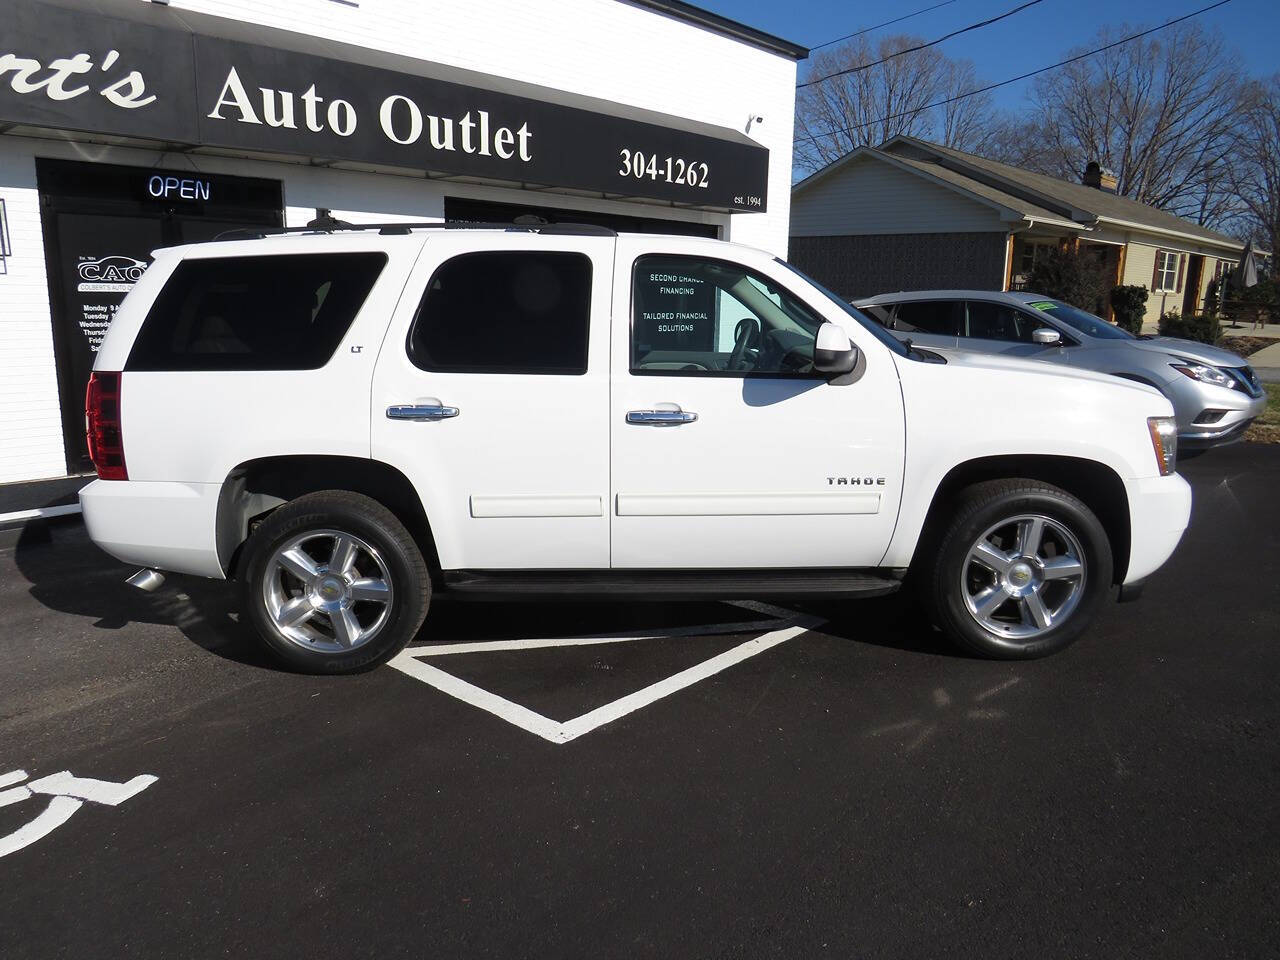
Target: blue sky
1034 38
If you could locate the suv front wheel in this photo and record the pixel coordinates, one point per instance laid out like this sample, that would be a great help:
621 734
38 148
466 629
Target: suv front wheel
1020 572
334 583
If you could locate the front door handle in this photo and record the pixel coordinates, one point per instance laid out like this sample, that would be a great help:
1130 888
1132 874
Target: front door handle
660 418
421 411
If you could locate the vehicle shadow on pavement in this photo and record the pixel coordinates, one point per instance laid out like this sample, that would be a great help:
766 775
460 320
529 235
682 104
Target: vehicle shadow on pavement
69 574
894 622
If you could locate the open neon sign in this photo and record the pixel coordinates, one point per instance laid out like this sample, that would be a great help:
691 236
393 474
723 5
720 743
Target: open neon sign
183 187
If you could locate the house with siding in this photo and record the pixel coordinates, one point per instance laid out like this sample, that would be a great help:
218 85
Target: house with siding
912 215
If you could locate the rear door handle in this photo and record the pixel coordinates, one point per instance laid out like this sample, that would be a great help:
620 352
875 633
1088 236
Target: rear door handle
421 411
660 418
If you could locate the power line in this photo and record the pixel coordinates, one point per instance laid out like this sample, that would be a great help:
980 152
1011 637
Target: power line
858 33
1003 83
954 33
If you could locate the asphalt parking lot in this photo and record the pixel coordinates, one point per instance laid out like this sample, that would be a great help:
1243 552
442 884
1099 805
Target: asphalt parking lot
820 782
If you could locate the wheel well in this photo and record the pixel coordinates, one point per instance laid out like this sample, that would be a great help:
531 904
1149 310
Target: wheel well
1096 484
256 487
1136 378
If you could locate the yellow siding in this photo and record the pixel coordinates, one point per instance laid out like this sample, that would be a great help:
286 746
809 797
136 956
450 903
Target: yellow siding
1139 265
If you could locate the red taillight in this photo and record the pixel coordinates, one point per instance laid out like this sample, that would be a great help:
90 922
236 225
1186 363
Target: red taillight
102 420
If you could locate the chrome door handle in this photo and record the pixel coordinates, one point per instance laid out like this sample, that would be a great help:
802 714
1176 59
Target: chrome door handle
421 411
660 418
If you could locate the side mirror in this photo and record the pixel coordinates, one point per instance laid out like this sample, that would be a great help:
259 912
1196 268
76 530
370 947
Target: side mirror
1046 335
833 353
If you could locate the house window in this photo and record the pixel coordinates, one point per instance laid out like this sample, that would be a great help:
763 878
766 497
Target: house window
1031 252
1222 268
1169 266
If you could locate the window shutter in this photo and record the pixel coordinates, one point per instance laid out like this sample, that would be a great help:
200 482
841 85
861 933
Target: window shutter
1155 274
1182 271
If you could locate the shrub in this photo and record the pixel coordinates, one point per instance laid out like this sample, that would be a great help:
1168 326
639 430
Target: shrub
1130 305
1066 275
1200 327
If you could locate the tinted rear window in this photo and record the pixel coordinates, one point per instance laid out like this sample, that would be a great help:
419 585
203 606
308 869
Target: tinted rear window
505 312
255 313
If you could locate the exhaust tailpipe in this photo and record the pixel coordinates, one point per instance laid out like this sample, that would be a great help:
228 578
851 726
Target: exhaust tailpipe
148 581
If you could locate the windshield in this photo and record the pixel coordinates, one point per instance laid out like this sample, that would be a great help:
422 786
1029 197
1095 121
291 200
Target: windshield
877 331
1086 323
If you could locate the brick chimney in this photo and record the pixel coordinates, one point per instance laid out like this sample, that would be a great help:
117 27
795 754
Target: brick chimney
1098 178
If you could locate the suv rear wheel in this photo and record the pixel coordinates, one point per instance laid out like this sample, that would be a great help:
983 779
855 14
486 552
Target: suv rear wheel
334 583
1020 572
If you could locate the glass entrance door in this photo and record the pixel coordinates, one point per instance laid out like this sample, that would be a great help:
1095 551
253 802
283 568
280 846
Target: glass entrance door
101 224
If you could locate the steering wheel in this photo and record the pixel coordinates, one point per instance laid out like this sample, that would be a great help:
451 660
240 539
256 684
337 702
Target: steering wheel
745 335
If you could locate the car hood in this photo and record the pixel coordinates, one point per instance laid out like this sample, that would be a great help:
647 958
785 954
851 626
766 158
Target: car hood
1190 350
1001 362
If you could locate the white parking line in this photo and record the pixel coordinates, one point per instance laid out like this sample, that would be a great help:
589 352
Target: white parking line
410 662
490 646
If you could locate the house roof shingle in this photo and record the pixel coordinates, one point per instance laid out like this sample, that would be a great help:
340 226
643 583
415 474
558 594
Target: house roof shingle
1098 204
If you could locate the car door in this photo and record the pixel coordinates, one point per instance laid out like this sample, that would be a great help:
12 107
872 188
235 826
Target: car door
727 451
990 326
491 395
927 323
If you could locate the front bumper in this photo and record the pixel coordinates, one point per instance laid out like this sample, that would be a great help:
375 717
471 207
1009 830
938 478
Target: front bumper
1159 511
1217 438
170 526
1191 400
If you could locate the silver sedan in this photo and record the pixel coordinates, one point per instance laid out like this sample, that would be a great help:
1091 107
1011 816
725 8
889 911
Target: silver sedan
1215 394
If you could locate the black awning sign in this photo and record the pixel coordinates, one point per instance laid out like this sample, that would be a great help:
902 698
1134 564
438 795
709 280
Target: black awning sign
79 70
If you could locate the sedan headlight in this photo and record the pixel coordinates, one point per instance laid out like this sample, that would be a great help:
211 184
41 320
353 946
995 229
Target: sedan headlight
1164 440
1205 374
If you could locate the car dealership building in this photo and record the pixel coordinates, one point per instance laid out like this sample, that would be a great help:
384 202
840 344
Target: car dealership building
127 125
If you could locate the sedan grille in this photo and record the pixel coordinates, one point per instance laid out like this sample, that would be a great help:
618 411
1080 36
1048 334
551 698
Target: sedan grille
1248 379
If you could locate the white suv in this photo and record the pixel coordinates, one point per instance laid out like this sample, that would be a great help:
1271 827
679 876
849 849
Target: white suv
349 422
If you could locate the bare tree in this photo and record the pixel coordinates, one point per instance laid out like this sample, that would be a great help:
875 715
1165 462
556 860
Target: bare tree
1161 112
1255 172
879 100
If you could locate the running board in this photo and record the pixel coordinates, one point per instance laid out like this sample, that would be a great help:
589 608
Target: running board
563 585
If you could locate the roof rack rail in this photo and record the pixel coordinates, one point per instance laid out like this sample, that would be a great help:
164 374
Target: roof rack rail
393 229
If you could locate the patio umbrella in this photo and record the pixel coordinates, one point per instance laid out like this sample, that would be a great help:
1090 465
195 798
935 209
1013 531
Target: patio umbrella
1245 274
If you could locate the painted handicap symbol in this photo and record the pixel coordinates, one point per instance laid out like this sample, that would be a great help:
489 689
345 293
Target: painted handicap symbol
69 793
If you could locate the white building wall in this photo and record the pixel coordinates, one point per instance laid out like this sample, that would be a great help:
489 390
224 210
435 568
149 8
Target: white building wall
870 196
30 421
600 48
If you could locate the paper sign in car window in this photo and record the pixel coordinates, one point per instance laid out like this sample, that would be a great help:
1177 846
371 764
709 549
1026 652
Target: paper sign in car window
1042 305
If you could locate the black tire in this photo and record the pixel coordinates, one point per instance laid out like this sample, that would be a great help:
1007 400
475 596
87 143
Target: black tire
360 517
977 510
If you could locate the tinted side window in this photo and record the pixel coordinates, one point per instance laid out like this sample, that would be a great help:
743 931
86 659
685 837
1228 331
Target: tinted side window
255 313
699 316
998 321
505 312
927 316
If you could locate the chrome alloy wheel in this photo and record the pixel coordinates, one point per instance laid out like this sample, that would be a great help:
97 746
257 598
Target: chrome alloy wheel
1023 576
327 591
